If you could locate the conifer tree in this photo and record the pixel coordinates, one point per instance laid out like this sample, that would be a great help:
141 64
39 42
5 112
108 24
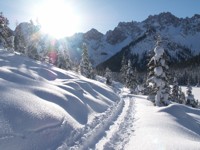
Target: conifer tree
198 85
27 39
175 91
130 77
158 76
190 97
63 61
181 96
43 47
123 69
91 72
108 76
150 87
6 34
85 67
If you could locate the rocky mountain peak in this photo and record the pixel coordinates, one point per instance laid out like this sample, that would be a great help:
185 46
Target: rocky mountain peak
115 36
122 31
196 17
93 34
162 20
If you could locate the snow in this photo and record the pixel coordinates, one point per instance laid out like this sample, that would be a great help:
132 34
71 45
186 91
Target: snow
172 127
41 105
195 91
118 134
158 71
158 53
44 107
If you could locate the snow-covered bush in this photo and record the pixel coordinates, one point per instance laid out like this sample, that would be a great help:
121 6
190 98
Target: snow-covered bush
140 89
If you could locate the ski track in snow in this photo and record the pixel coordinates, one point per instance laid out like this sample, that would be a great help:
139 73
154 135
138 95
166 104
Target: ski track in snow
108 131
120 131
88 136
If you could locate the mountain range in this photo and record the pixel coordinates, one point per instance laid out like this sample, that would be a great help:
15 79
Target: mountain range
136 40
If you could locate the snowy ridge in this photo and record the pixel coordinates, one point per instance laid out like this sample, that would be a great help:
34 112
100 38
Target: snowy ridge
178 34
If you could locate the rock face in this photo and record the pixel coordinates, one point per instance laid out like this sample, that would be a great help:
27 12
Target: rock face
93 34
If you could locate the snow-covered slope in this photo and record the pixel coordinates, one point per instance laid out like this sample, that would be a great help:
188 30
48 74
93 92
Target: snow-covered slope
173 127
41 105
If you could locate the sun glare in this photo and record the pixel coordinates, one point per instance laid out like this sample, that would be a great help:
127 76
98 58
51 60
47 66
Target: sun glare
57 18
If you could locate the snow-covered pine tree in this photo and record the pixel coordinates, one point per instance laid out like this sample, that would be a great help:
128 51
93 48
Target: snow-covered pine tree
91 72
150 87
198 85
6 34
130 77
158 76
147 87
190 97
34 38
42 48
27 39
85 67
123 69
175 91
181 96
108 76
63 61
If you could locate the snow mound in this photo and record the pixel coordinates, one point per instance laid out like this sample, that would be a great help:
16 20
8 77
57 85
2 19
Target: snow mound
47 74
158 71
41 105
173 127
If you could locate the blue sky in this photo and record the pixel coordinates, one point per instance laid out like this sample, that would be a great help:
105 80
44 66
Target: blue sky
103 15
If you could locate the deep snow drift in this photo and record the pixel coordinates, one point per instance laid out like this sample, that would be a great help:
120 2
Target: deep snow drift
174 127
41 105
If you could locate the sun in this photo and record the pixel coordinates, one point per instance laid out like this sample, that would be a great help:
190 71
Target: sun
57 18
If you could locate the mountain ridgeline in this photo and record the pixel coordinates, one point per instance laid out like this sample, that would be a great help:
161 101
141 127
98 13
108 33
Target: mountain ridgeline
136 40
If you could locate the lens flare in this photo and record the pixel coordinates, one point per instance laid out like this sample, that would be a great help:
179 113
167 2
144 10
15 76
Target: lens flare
57 18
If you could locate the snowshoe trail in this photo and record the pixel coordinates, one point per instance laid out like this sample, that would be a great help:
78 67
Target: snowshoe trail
109 131
119 133
112 130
